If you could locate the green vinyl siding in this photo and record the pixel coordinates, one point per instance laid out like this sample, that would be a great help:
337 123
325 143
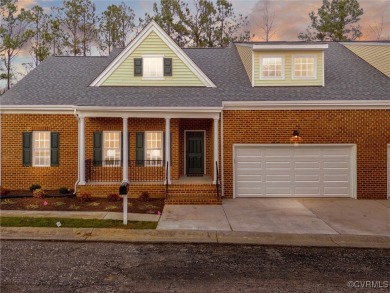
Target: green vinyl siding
288 80
153 45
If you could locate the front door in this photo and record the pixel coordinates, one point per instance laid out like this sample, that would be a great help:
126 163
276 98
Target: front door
195 153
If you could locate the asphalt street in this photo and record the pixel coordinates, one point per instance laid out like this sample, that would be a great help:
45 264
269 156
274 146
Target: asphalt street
28 266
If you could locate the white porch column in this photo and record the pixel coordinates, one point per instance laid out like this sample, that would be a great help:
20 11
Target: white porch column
81 150
168 147
125 148
216 149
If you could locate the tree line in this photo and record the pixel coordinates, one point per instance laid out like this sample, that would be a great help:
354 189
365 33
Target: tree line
75 27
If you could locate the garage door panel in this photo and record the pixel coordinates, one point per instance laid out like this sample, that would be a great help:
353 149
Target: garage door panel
278 178
289 171
304 191
277 152
307 177
278 165
306 165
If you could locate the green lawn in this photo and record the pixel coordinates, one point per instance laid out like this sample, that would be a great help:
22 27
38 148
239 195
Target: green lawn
72 223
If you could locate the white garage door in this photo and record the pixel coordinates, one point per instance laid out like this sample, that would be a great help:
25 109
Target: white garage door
294 171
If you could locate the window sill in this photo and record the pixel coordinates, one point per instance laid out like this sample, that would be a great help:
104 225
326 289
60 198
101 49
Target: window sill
153 78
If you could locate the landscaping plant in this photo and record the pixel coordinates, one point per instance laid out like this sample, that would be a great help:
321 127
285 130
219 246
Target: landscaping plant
63 190
39 193
113 197
4 191
84 196
144 196
34 187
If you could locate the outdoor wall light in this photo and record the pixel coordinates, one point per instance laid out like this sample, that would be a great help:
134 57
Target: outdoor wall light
296 138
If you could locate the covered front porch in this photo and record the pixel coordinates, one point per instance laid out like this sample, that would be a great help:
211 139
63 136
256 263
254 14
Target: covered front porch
174 150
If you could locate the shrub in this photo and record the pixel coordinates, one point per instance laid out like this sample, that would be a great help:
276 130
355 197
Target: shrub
4 191
113 197
85 197
39 193
144 196
34 187
63 190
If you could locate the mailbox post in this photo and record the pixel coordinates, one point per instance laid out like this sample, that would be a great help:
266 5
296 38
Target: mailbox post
123 190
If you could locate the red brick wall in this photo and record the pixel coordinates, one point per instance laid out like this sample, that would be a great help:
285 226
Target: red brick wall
14 174
368 129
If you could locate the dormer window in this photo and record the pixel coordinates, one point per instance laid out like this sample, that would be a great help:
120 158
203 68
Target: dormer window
304 67
271 67
153 67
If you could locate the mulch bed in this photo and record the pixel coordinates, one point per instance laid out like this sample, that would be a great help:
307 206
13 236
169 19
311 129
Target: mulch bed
152 206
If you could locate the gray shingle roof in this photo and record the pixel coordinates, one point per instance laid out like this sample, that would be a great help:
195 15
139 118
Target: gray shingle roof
65 80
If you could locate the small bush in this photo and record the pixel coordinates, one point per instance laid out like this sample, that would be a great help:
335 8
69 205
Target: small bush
34 187
85 197
144 196
63 190
113 197
4 191
39 193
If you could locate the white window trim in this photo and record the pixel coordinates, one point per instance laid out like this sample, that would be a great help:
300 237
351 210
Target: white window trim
261 67
153 78
146 148
293 77
104 149
33 149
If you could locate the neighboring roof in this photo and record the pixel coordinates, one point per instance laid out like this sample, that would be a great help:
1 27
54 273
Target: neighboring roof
65 80
375 53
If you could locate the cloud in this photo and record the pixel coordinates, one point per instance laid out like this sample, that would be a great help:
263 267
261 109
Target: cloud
27 4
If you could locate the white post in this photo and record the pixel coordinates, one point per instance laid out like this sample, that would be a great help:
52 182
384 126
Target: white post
168 147
125 155
216 149
82 150
125 209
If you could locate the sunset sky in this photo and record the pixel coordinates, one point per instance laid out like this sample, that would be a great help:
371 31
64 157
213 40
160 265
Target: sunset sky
291 16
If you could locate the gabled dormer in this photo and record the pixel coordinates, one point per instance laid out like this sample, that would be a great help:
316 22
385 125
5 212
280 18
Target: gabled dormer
283 64
152 59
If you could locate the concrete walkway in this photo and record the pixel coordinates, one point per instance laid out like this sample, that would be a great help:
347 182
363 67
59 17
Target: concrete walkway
281 215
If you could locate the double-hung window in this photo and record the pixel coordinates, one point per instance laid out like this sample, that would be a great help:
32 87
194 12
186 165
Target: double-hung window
41 149
153 67
304 67
271 67
111 148
154 148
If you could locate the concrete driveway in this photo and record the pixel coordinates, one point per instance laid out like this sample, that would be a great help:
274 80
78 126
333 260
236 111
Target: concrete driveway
283 215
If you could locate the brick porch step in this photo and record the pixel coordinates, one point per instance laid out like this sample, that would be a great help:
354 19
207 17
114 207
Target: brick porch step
192 194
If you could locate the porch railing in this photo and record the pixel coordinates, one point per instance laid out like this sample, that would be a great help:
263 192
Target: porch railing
111 170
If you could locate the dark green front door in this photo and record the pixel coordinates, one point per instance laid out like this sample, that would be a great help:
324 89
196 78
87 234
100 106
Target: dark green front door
195 153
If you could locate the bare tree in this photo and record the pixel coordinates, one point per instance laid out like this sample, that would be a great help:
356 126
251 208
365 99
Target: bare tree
267 26
377 30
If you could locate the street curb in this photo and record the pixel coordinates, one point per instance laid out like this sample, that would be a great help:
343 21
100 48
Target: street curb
193 236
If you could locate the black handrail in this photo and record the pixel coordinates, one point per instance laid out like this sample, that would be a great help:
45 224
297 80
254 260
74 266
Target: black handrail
111 170
166 180
217 180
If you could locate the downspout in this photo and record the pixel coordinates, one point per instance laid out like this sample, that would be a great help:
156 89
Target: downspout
222 173
78 153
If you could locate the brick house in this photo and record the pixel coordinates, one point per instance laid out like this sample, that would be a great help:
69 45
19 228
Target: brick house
279 119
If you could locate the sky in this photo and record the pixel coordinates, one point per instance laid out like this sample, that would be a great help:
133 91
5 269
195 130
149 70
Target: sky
291 16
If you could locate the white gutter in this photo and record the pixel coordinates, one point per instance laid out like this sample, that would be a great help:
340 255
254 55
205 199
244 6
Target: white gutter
307 105
291 47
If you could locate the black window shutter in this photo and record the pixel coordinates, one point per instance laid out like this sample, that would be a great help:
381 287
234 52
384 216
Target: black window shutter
27 145
137 66
140 148
54 149
97 148
167 66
